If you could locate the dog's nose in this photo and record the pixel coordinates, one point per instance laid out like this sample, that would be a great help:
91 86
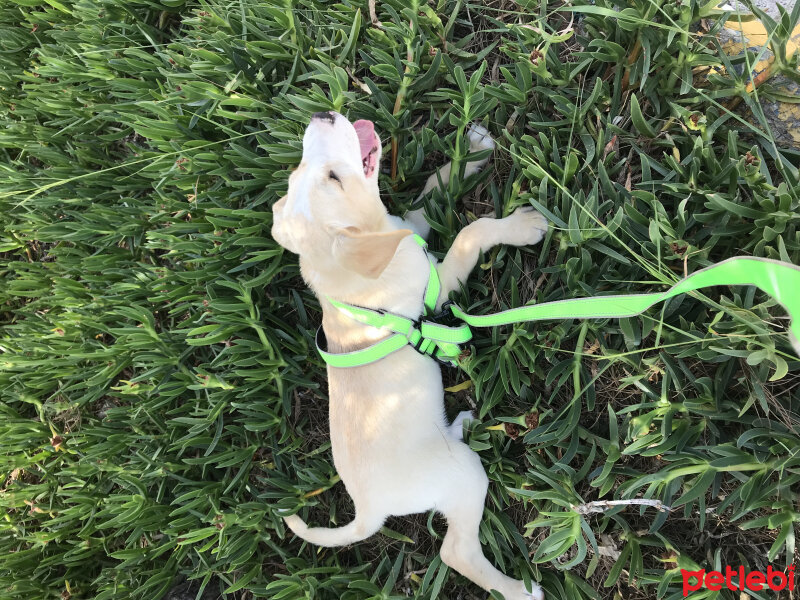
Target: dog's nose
327 116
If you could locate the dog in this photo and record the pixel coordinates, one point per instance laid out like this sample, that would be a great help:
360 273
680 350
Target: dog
392 445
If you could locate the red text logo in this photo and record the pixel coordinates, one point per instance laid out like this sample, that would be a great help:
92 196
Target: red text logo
736 579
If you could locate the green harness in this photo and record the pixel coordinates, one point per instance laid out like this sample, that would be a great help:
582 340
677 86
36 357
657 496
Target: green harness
778 279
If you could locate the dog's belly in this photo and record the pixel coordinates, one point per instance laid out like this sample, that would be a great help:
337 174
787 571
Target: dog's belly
387 427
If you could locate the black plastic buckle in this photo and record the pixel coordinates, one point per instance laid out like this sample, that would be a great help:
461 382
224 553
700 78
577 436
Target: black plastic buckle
416 325
443 312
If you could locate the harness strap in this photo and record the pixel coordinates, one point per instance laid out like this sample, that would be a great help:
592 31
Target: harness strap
357 358
780 280
426 337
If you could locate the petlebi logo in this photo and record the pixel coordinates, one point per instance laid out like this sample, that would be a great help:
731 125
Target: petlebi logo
738 579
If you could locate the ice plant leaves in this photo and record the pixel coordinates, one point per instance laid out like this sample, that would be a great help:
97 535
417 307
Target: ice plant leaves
160 399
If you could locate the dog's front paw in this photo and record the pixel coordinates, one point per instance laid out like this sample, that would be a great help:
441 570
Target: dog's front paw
525 226
479 138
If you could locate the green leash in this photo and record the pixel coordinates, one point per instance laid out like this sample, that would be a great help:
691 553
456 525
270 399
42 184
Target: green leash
778 279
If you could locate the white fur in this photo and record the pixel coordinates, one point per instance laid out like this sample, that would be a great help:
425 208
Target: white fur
392 445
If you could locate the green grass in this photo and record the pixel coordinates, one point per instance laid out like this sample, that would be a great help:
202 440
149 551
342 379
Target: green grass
159 389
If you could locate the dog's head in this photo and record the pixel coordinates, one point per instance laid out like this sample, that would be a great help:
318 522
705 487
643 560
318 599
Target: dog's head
332 214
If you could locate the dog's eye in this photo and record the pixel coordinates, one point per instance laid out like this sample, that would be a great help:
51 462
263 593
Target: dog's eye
335 177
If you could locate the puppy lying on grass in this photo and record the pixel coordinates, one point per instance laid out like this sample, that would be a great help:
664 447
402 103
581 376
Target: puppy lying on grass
392 445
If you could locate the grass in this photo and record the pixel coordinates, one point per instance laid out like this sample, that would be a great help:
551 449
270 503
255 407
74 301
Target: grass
159 389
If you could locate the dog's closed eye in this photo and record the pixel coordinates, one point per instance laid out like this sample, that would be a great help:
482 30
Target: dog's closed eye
335 177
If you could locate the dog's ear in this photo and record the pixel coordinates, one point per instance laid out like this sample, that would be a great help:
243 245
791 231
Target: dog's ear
366 253
278 226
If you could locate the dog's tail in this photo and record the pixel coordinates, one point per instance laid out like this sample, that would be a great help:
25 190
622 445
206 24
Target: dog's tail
358 529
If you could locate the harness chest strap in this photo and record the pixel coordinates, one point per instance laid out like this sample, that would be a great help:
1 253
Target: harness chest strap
780 280
427 337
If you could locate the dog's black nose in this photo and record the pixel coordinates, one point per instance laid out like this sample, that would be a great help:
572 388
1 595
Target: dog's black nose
328 116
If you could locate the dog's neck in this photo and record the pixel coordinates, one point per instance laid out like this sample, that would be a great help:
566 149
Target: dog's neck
399 289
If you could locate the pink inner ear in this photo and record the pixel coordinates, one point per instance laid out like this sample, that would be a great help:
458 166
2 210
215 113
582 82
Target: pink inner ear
369 144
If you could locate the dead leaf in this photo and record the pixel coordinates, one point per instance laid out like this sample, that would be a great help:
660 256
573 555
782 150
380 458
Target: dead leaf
460 387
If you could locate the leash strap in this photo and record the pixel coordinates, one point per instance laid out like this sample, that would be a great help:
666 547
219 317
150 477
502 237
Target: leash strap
780 280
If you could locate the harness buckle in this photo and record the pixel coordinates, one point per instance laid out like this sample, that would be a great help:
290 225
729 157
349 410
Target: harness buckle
431 348
418 344
443 312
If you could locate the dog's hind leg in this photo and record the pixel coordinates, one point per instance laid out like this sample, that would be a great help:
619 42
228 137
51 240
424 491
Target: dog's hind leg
461 548
479 139
363 526
457 426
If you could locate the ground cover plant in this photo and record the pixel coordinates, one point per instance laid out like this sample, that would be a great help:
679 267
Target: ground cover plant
159 388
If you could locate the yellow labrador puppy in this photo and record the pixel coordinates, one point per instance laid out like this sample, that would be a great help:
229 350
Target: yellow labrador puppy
392 445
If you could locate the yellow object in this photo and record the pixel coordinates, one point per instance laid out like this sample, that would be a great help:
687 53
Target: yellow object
785 117
464 385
